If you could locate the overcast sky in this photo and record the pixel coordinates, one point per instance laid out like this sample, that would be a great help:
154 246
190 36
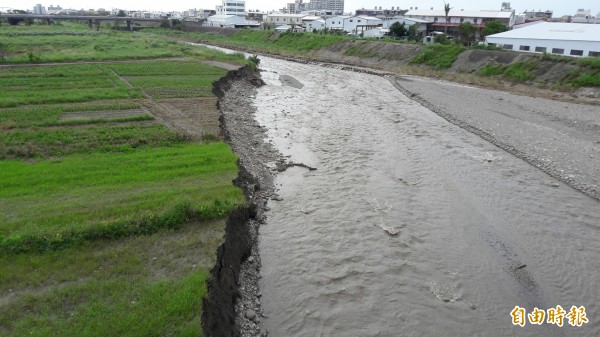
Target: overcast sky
559 7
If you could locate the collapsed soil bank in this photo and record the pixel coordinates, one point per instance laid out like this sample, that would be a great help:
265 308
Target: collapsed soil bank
232 305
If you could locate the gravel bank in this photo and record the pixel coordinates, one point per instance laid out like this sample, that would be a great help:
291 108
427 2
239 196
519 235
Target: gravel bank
562 139
257 160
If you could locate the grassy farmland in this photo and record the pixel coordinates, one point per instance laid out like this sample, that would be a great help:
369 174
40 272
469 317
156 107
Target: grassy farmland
109 219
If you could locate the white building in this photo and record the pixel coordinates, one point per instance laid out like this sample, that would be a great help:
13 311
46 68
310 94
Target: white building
311 23
437 18
360 24
335 22
330 7
376 32
54 9
281 19
39 9
420 25
583 16
232 7
225 21
571 39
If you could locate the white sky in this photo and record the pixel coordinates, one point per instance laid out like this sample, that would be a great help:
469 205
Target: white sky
559 7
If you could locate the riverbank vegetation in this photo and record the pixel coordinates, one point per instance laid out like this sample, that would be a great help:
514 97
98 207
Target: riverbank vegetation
563 73
109 219
285 43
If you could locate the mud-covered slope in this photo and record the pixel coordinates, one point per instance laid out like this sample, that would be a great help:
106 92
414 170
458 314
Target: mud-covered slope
370 53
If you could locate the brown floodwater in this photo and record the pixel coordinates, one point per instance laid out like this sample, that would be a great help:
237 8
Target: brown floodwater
410 226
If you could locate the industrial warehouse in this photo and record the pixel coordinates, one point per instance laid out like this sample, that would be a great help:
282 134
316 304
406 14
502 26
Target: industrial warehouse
571 39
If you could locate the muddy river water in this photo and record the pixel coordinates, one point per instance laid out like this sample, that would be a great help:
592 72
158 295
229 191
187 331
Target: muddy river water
410 226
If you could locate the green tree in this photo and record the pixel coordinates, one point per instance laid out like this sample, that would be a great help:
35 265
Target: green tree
446 11
466 32
164 23
16 21
121 14
397 29
441 39
413 34
494 27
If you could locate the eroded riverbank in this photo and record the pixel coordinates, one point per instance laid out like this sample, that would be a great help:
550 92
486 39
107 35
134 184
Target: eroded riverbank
233 306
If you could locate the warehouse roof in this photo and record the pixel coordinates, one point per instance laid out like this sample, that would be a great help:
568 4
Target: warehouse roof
554 31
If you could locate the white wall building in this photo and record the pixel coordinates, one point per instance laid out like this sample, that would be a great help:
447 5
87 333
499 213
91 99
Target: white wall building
421 25
583 16
225 21
437 18
331 7
360 24
376 32
313 22
335 22
232 7
39 9
280 19
571 39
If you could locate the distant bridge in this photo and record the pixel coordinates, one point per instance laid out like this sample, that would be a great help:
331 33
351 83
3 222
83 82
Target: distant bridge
92 20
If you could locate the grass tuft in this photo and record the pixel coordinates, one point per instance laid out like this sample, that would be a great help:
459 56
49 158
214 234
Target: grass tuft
439 56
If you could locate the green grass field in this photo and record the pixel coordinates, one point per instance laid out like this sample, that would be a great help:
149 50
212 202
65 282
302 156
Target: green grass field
264 40
109 220
101 191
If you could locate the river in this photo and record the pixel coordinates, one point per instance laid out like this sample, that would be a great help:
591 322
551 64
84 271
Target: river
410 226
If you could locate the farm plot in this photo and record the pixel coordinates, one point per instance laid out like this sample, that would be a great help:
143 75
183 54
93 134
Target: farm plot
78 143
61 84
106 215
164 79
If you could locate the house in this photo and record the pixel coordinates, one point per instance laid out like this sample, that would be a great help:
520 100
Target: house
313 22
281 19
285 28
420 25
376 32
359 24
437 18
335 22
256 15
571 39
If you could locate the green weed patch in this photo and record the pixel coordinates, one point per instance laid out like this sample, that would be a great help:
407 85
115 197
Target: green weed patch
588 79
518 72
439 56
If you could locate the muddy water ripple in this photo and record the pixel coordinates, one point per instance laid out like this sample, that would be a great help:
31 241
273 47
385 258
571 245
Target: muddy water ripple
410 226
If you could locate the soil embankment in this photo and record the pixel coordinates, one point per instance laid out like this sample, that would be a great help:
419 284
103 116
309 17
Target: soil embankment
232 306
